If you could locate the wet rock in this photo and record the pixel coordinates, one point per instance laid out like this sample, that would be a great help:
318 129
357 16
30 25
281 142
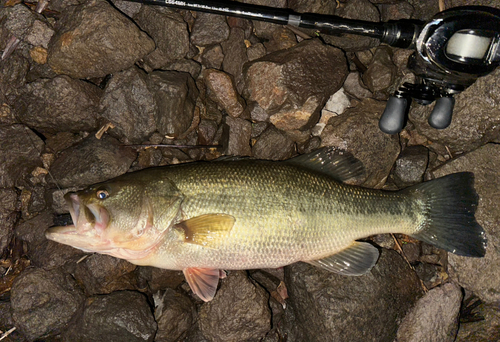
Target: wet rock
170 33
353 86
480 275
20 149
209 29
212 57
381 72
103 274
239 311
175 95
355 9
357 132
43 302
160 279
92 161
8 215
410 166
120 316
476 117
273 144
175 315
294 84
129 105
332 307
59 104
434 317
483 325
235 55
239 131
94 39
223 91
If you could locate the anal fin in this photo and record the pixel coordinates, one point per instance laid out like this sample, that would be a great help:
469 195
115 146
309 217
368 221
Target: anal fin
203 281
355 260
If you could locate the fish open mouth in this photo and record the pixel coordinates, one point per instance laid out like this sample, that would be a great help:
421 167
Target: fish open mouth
89 223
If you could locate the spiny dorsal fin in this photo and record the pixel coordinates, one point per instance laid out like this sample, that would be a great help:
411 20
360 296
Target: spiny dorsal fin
338 164
355 260
206 230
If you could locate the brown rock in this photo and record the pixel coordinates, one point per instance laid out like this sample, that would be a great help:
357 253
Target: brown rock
223 91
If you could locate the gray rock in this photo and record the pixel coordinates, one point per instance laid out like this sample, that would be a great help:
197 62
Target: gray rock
212 57
235 55
486 329
353 86
239 311
206 131
13 73
120 316
103 274
209 29
9 207
332 307
129 105
127 7
175 95
94 39
424 10
294 84
476 117
316 6
170 33
381 72
175 315
20 149
273 144
50 255
264 29
222 90
480 275
434 318
355 9
160 279
410 166
28 26
396 11
185 65
92 161
59 104
239 131
357 132
43 302
256 51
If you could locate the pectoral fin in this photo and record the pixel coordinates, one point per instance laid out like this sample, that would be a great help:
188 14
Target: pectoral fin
203 281
355 260
206 230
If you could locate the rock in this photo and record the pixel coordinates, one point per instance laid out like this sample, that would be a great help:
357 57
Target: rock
32 231
357 132
206 131
410 166
264 29
212 57
43 302
292 85
256 51
273 144
484 325
129 105
239 131
50 255
317 6
59 104
396 11
257 113
332 307
235 55
120 316
8 215
175 315
19 154
239 311
94 39
434 318
476 117
185 65
160 279
337 103
209 29
92 161
170 33
13 73
480 275
28 26
360 10
127 7
103 274
222 90
381 72
353 86
175 95
281 38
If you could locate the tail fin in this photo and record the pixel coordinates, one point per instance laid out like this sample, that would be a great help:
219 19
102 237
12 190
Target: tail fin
449 206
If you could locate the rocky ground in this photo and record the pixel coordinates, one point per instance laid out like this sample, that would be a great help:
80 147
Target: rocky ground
91 80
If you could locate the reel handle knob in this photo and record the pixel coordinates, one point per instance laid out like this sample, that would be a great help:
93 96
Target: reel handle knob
440 117
394 116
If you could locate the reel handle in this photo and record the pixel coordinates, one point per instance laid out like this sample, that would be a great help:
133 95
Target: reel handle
440 117
394 117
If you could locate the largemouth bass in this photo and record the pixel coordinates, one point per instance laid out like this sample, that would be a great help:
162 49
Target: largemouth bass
206 217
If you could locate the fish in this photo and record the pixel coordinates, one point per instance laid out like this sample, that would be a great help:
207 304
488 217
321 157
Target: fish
240 213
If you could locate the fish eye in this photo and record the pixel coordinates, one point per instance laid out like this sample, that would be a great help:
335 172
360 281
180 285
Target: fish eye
102 194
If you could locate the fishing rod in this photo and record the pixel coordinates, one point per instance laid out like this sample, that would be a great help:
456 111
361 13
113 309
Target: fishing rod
452 50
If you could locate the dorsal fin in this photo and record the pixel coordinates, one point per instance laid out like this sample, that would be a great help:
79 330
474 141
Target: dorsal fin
338 164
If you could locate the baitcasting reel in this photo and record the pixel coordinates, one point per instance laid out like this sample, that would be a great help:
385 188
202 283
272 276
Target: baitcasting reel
452 50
